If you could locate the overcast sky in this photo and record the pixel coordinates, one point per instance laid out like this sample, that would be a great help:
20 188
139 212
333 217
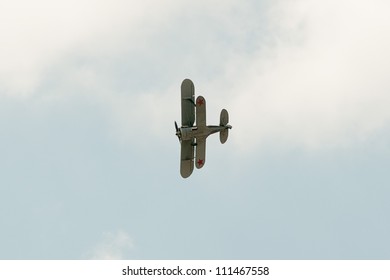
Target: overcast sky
89 160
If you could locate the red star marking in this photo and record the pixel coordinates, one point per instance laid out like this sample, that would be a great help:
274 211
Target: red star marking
200 162
200 101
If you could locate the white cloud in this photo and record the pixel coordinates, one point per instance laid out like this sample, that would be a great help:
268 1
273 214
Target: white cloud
34 35
322 83
308 74
113 246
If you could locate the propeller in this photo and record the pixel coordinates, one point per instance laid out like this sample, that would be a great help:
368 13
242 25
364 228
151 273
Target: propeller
178 133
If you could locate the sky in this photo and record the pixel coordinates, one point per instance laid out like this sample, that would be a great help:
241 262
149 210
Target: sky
89 160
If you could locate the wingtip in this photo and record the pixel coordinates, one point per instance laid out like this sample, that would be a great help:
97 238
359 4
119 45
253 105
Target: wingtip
185 175
187 81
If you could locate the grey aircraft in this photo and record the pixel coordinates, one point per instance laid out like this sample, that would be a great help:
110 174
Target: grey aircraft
194 137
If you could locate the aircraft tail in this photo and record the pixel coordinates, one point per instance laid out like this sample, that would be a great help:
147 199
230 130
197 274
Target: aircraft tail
224 119
223 135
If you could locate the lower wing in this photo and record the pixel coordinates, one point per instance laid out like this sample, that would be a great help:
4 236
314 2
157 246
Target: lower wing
200 152
186 158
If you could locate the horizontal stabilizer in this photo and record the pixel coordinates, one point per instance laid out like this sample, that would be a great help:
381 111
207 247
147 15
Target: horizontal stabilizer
224 118
223 135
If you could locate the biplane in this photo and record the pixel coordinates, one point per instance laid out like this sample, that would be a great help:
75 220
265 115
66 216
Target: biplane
193 137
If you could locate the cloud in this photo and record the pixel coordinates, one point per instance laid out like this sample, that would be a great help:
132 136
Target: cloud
321 82
296 74
113 246
37 35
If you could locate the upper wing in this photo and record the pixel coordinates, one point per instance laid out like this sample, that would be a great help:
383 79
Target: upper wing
187 103
200 152
200 112
186 158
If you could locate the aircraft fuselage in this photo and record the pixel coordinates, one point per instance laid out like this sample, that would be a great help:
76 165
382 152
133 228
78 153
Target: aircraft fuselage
188 133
